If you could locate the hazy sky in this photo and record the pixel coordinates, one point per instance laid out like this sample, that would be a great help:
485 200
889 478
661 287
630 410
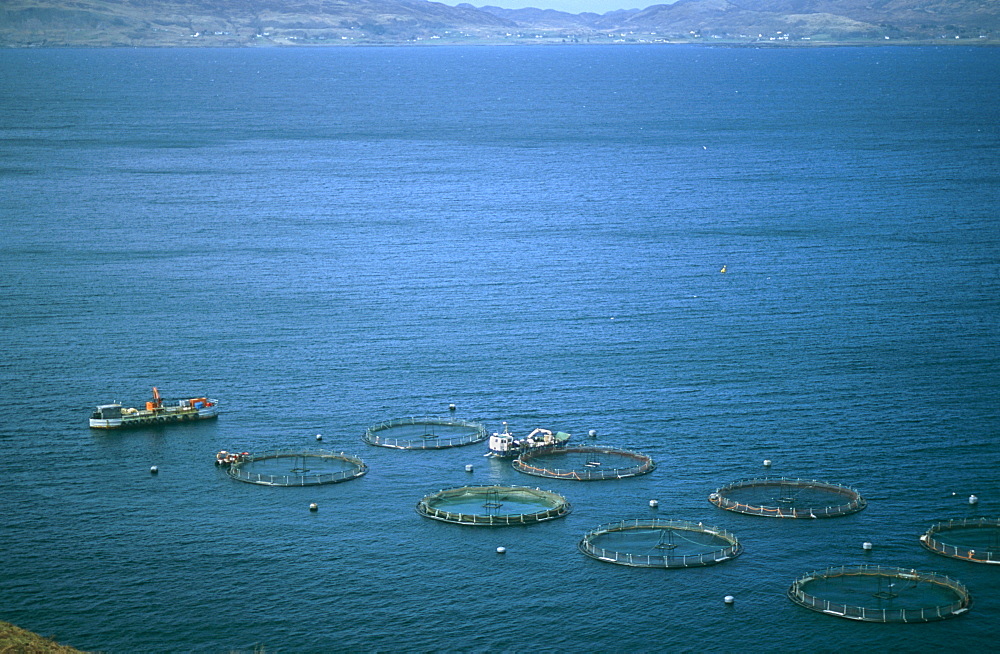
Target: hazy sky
571 6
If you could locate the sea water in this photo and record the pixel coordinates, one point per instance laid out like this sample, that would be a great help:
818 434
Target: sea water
323 239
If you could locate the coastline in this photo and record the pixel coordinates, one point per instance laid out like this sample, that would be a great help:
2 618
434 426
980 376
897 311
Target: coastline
498 42
172 23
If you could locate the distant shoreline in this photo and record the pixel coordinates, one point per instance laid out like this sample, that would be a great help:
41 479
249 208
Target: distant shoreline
549 42
329 23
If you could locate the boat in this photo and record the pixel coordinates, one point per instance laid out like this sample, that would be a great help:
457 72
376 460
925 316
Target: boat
225 458
505 445
156 412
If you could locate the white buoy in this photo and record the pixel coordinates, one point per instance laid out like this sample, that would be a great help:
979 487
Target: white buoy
319 437
653 504
973 499
451 407
314 507
468 467
501 549
866 546
767 463
154 470
728 599
593 433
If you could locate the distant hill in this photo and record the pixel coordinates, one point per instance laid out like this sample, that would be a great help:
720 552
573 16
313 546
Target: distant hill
232 22
26 23
837 19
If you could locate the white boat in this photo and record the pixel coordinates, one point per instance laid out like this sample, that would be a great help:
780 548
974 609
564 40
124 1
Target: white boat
157 412
507 446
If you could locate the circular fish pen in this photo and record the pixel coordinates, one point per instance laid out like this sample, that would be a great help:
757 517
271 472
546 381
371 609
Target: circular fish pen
656 543
297 468
970 539
584 463
424 433
493 506
871 593
782 497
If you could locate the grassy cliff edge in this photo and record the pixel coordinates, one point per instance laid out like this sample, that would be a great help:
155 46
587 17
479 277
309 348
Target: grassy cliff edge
14 640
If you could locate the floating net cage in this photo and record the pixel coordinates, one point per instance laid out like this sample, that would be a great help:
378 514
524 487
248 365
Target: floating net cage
493 506
656 543
297 468
584 463
782 497
970 539
424 433
871 593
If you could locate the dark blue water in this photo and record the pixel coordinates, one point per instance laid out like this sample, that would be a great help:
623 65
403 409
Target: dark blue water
323 239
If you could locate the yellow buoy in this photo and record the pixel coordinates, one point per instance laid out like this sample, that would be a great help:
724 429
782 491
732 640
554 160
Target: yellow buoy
723 269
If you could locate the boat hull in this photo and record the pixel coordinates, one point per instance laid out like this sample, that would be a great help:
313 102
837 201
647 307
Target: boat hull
127 422
514 453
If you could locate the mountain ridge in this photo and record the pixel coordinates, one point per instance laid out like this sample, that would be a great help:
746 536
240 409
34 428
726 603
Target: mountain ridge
53 23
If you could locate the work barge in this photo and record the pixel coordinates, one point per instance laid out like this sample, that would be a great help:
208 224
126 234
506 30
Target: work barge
156 412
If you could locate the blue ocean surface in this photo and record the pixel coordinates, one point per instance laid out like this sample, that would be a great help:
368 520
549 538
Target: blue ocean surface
323 239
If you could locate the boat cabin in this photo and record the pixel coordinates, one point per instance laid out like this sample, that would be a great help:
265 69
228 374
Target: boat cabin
107 412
